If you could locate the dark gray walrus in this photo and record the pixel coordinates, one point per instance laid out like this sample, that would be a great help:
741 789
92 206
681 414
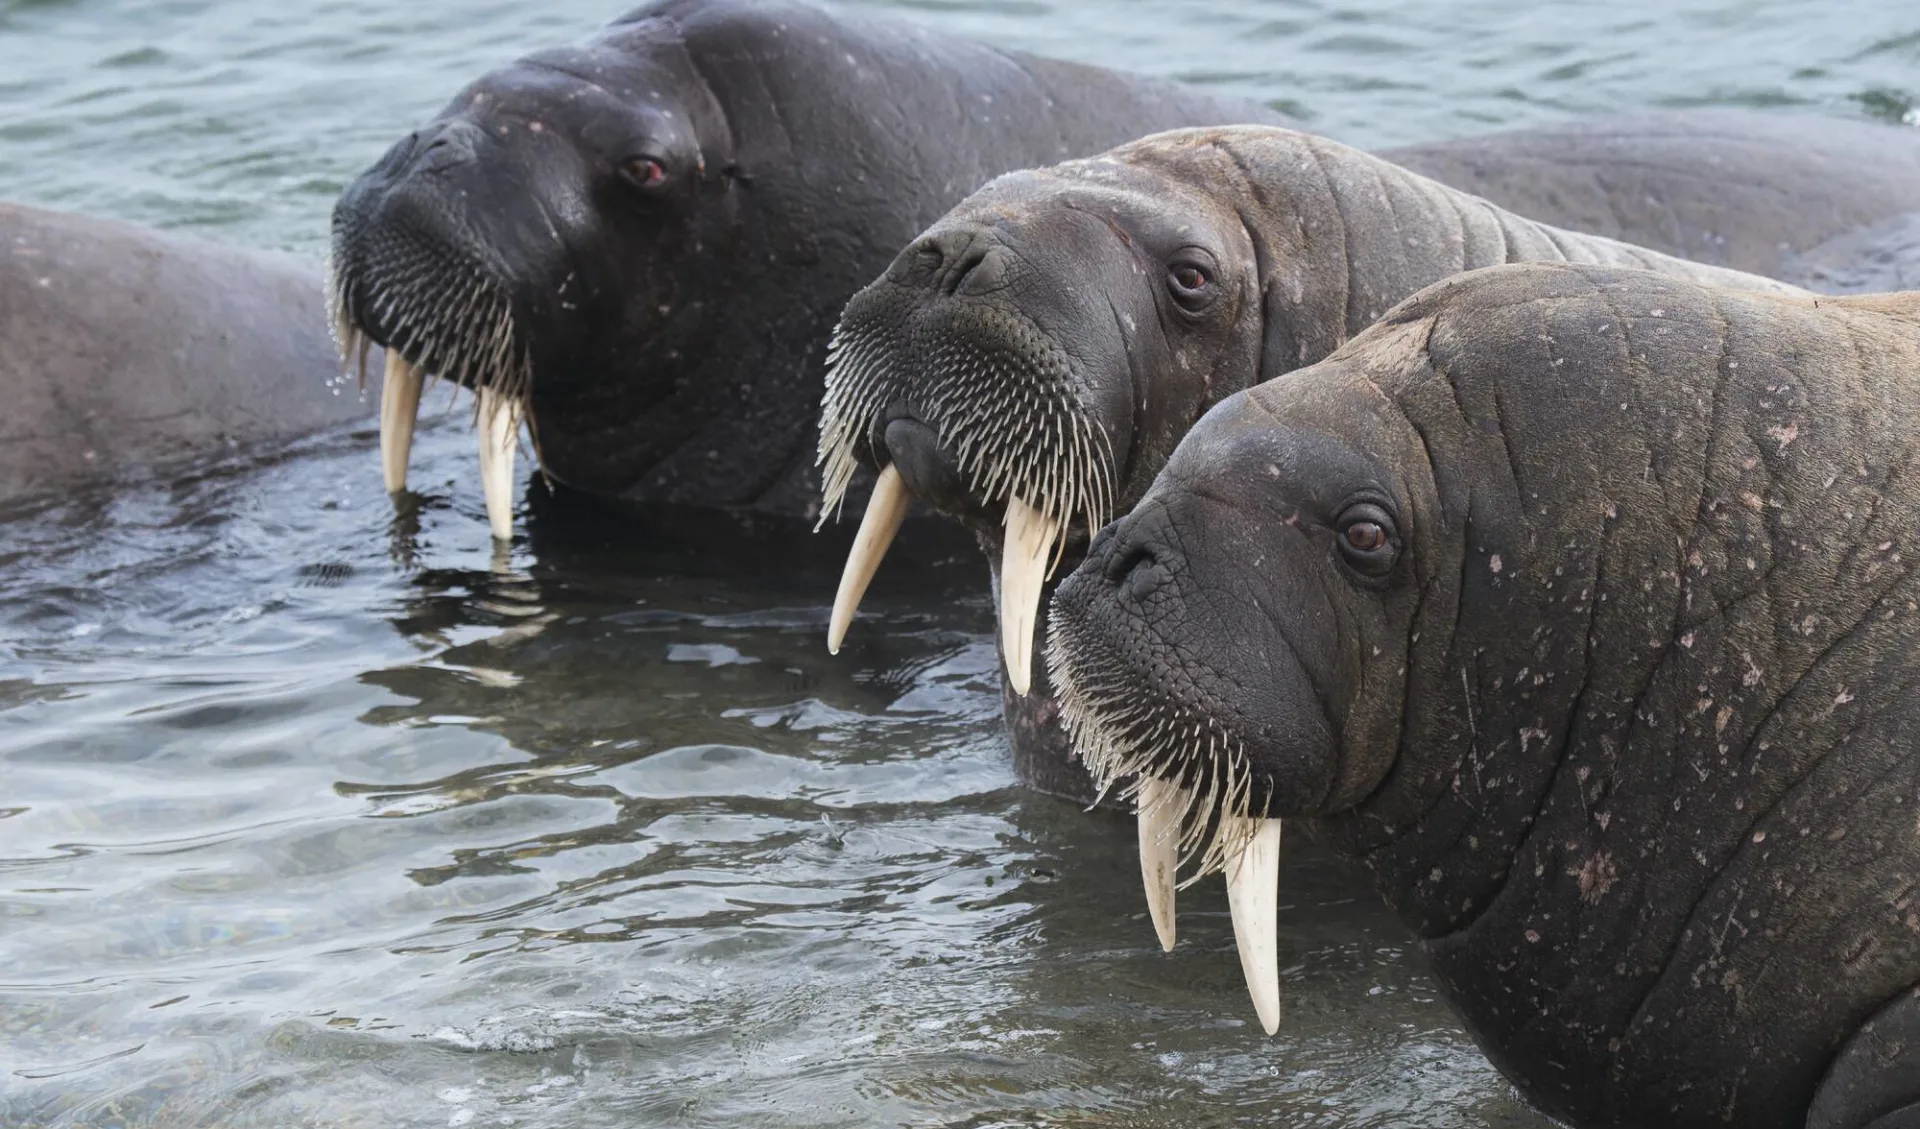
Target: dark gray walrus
640 243
1579 604
123 348
1027 365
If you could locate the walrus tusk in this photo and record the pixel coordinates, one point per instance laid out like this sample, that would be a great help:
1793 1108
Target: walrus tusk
399 408
885 512
499 434
1161 806
1253 898
1023 572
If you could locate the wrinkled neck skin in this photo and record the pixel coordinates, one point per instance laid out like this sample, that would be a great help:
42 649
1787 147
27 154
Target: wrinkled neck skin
1650 619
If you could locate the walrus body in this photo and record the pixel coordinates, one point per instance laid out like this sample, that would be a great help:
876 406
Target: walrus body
122 348
1579 603
1029 362
1815 200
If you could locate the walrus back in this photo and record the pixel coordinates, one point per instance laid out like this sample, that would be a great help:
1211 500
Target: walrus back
1687 624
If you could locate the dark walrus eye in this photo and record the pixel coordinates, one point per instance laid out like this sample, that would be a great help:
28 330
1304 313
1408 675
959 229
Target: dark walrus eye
1366 538
643 172
1191 284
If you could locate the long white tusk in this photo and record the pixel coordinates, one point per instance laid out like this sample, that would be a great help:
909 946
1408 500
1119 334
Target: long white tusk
1253 897
1023 573
399 408
1161 805
499 436
882 520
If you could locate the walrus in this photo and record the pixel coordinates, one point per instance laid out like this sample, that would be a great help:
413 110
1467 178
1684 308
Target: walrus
1027 364
1579 604
640 243
123 348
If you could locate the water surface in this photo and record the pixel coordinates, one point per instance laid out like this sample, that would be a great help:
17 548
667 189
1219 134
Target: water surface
312 816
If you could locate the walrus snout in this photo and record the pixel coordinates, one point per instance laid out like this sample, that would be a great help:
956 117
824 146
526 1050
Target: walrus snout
453 144
952 262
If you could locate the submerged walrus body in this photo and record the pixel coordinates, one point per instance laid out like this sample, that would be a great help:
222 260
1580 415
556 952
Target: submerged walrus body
123 348
1579 604
1028 363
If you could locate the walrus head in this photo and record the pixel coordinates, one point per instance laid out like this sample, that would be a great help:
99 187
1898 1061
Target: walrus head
1029 362
1231 656
477 248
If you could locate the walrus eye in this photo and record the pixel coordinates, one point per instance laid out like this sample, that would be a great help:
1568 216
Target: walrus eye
643 172
1366 538
1188 281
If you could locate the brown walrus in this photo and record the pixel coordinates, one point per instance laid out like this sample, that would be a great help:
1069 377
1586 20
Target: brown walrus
1580 605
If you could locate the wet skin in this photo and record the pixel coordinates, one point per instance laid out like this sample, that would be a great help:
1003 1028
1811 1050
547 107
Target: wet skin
1575 603
1046 344
129 350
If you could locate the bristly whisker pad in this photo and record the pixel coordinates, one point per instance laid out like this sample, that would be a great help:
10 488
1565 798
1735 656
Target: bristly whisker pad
999 394
1125 737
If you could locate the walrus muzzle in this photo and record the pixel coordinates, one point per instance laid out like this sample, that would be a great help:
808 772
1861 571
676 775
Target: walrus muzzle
993 430
410 270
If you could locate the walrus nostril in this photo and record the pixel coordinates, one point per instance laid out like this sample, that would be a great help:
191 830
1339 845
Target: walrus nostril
1135 571
945 260
453 145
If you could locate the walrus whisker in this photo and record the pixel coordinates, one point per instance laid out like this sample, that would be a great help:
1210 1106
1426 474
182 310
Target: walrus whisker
993 412
1176 823
462 330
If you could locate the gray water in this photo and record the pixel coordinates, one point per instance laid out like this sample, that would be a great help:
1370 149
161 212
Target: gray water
312 815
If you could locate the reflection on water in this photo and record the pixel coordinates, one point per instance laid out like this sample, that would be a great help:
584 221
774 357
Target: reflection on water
294 835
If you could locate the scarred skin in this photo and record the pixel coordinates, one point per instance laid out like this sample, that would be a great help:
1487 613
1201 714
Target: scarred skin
1075 270
123 348
1624 714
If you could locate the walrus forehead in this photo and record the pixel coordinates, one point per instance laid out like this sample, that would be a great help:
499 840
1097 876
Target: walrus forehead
1138 195
1335 399
609 95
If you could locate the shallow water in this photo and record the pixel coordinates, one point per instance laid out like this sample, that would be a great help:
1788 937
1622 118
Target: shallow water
312 816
